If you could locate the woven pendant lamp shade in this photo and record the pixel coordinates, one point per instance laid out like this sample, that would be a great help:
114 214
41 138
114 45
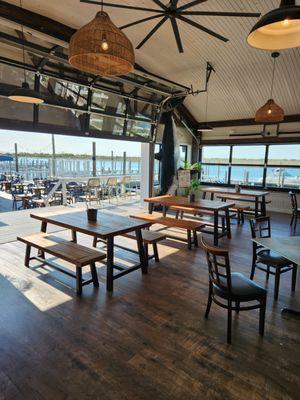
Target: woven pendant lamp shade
87 53
269 113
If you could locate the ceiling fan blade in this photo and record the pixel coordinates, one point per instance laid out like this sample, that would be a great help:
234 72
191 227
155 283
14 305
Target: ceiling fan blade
140 21
160 4
191 4
202 28
98 2
151 33
221 14
174 3
177 34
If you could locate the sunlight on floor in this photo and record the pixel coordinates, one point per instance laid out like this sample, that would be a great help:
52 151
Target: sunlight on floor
40 294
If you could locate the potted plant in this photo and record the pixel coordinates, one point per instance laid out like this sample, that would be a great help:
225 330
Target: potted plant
195 185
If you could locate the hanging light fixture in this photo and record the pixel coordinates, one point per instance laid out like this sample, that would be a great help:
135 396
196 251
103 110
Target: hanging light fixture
270 112
278 29
101 48
24 94
205 127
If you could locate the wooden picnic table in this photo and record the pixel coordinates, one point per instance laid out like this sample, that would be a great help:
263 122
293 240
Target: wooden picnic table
105 228
201 204
258 196
288 247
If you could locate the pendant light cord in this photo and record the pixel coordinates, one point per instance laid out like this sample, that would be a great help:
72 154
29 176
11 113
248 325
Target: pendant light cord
23 46
206 106
102 6
273 76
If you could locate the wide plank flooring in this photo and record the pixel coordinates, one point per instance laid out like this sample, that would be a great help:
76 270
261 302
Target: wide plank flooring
148 340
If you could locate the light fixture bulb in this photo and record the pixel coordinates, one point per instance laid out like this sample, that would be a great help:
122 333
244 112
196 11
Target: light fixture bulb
269 111
104 45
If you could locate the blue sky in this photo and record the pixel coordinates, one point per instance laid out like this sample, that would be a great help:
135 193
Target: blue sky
41 143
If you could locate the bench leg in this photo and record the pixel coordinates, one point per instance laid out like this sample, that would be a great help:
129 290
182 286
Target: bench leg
78 281
155 252
189 239
94 275
27 255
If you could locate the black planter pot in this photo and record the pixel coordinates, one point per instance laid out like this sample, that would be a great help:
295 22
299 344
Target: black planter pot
92 214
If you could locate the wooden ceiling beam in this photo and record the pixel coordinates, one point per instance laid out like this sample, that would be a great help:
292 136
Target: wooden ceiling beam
249 121
36 22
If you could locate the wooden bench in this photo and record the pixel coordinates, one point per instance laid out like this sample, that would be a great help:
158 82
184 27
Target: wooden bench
241 210
73 253
149 238
189 226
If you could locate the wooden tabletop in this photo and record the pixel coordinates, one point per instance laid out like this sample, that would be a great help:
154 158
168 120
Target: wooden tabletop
181 201
288 247
228 190
107 225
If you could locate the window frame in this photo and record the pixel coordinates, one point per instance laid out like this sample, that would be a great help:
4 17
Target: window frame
265 165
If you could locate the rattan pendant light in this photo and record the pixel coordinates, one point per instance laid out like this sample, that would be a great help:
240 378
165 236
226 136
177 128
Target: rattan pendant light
101 48
270 112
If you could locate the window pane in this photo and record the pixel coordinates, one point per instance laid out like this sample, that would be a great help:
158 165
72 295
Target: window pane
283 177
214 173
183 154
288 154
61 117
106 124
157 166
215 154
247 175
108 102
138 128
248 155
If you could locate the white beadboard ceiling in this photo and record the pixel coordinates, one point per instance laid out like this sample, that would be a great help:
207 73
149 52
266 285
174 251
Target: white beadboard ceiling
243 74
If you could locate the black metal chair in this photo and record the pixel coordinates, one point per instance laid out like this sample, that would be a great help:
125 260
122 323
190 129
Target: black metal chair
295 209
261 228
230 289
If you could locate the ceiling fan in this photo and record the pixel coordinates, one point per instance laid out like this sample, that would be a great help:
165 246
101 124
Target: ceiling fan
173 12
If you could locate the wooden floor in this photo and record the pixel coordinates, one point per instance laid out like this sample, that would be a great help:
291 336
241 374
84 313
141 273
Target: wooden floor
147 340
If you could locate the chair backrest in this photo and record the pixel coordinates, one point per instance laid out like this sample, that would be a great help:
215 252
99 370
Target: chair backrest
260 227
94 183
112 181
218 266
125 179
293 200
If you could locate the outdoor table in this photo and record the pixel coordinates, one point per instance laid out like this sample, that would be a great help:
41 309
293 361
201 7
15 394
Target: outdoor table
204 205
257 196
288 247
25 197
105 228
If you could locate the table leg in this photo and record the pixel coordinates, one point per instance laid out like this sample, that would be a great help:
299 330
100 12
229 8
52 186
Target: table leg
41 253
256 207
150 208
143 258
74 236
164 210
216 230
110 264
212 196
228 224
263 206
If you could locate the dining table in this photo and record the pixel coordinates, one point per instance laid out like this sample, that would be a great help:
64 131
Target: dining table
215 207
257 196
288 247
106 228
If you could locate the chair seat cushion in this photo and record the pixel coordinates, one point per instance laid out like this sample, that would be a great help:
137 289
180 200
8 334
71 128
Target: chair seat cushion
242 288
269 257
